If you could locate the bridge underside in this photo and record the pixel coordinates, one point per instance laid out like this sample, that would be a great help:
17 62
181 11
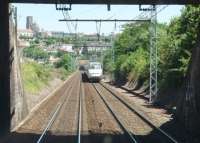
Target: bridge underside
112 2
6 53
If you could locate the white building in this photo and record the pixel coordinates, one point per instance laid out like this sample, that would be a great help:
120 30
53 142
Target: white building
25 33
67 48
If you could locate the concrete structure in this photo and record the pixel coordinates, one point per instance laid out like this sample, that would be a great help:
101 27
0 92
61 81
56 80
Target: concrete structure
6 53
117 2
5 60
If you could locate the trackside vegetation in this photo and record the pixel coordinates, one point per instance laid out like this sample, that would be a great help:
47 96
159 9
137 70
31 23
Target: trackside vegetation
175 42
35 76
38 70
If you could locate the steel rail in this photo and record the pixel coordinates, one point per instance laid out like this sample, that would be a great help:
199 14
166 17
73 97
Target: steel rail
50 123
80 112
140 115
133 139
53 118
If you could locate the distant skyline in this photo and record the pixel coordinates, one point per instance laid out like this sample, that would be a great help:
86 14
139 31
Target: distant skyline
47 17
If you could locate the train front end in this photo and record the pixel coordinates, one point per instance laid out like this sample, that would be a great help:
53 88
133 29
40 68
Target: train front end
95 71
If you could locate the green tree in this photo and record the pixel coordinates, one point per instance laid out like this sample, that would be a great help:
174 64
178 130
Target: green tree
36 53
65 62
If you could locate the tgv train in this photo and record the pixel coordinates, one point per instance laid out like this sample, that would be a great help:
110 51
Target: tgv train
94 71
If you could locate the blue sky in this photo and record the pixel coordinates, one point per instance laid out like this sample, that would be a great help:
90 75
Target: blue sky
47 17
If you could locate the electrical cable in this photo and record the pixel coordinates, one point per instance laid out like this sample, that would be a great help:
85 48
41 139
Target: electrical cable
164 7
68 26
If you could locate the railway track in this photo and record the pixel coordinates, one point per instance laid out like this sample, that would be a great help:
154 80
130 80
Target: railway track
131 121
132 138
83 112
66 118
102 126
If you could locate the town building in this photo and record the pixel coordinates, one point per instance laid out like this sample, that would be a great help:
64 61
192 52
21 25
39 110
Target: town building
29 22
25 34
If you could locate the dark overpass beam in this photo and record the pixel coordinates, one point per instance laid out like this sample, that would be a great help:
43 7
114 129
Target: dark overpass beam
4 69
112 2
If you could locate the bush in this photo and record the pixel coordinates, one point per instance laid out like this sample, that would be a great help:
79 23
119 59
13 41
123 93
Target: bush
36 53
35 76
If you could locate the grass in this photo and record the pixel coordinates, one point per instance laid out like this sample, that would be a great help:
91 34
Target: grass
62 73
35 76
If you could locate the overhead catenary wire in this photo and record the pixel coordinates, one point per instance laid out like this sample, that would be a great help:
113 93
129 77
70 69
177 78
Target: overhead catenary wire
137 18
104 20
65 13
67 18
68 26
98 28
144 13
163 8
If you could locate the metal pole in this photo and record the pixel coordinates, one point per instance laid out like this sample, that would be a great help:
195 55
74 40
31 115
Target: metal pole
112 48
153 56
153 89
112 56
71 62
